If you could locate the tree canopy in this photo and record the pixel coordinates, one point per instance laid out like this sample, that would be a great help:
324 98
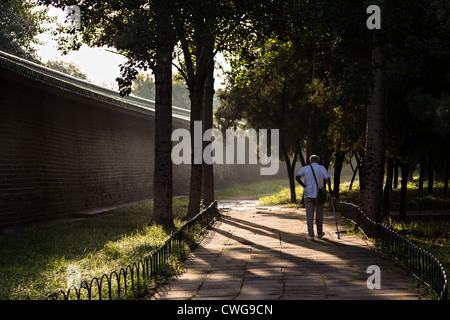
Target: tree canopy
400 72
20 22
312 69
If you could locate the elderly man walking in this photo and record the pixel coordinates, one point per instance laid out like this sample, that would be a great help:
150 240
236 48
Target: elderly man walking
314 174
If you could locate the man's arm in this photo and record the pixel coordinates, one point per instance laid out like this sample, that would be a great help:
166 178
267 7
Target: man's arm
300 181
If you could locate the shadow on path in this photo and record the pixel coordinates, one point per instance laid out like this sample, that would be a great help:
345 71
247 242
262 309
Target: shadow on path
263 253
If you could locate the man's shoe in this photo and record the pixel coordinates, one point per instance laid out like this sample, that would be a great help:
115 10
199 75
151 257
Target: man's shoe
320 236
311 238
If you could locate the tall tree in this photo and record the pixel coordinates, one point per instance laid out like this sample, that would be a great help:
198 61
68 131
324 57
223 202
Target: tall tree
418 69
198 55
208 170
205 28
375 140
163 185
142 31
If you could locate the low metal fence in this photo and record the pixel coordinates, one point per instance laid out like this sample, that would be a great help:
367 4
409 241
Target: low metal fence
119 283
419 262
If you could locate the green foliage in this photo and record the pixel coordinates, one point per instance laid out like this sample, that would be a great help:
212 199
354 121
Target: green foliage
20 22
417 62
136 29
251 190
269 92
281 197
67 68
144 86
38 260
436 229
429 233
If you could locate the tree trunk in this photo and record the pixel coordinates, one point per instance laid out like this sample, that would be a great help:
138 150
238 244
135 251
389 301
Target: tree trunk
195 189
421 175
300 156
340 156
388 187
361 175
405 171
431 167
291 174
290 170
375 142
396 165
162 207
446 177
197 94
311 142
355 170
208 170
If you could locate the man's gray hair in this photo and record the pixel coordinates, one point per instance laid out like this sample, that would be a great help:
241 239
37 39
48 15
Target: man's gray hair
314 158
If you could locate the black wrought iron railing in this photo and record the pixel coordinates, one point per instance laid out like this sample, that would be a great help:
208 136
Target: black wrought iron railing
419 262
117 284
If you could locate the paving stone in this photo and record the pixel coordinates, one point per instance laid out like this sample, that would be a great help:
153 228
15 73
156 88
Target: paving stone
263 253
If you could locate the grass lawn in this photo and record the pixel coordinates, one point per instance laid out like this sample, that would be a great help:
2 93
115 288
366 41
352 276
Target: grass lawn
430 233
254 190
36 261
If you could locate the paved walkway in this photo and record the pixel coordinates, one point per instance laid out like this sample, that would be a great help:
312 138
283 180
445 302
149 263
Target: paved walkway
263 253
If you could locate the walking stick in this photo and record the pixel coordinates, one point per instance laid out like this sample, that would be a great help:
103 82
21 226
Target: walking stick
335 219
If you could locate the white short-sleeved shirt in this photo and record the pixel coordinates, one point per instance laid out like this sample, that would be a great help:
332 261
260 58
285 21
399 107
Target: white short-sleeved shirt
311 190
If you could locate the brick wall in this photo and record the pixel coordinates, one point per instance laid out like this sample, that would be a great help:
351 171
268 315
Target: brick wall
61 153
